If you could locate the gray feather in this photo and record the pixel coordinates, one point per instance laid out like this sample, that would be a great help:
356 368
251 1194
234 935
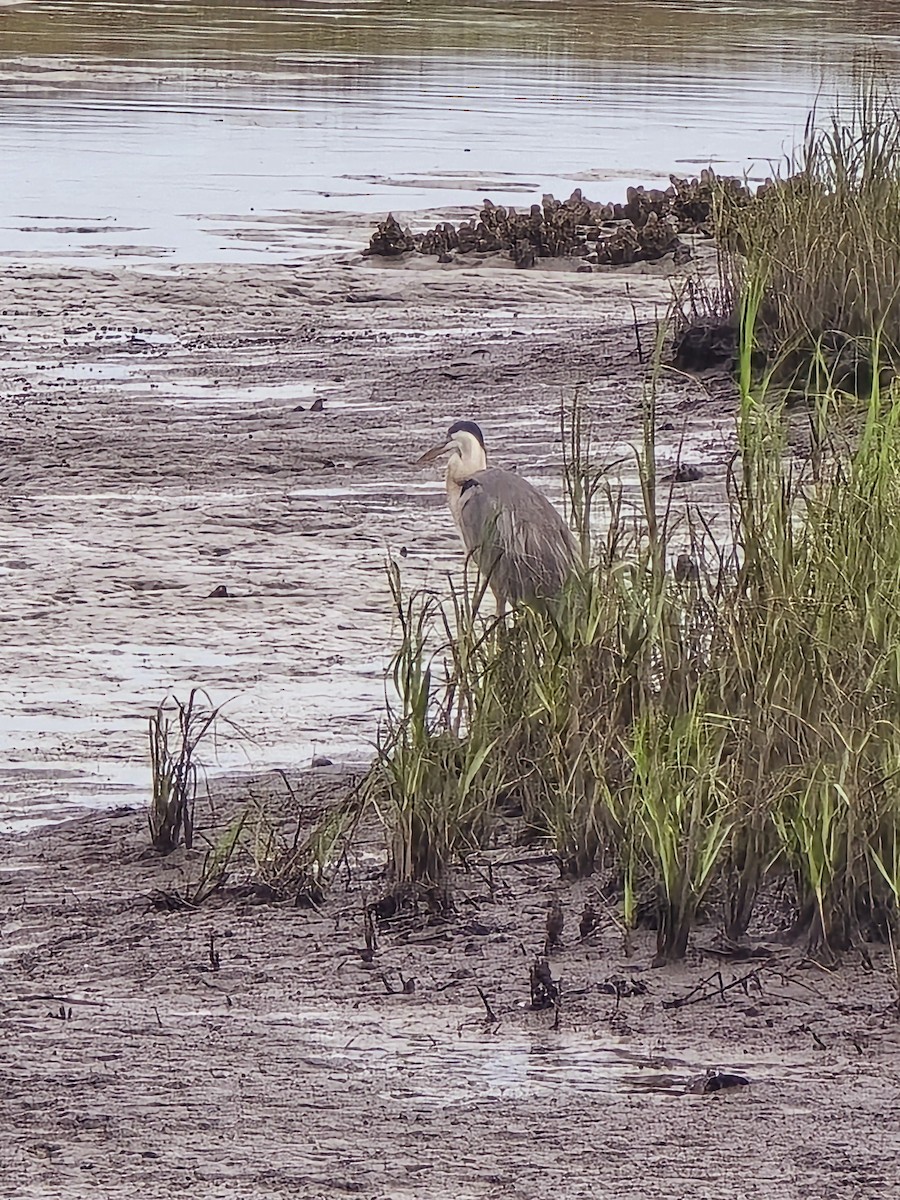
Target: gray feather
515 535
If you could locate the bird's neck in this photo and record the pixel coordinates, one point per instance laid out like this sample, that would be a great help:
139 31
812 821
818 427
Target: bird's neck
462 467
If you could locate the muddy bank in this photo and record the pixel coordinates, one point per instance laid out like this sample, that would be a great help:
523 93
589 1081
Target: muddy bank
159 443
249 1050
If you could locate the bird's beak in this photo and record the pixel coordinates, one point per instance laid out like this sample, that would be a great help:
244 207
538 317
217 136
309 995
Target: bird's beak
435 452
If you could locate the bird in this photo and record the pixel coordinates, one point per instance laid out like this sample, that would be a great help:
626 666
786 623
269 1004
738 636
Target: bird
517 539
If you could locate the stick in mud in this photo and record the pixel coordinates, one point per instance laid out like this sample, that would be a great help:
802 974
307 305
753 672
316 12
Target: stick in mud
636 326
557 1006
544 990
556 920
588 922
369 930
692 997
491 1015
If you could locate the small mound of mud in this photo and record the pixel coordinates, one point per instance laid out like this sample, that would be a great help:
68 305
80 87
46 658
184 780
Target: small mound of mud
644 229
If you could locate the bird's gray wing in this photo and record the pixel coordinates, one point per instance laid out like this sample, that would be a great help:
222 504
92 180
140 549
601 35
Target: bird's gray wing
516 536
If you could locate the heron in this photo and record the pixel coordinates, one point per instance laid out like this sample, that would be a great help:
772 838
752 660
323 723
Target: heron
517 539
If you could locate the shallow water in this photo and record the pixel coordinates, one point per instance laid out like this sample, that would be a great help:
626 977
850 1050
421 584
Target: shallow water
199 132
410 1064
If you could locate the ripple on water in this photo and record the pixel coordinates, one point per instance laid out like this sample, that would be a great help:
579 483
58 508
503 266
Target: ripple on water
251 112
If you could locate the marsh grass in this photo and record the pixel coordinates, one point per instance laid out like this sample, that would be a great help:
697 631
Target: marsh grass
217 861
693 734
695 718
296 865
214 872
821 243
433 785
177 731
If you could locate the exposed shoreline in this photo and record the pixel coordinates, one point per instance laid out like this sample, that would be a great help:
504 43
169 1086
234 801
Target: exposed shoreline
286 1067
289 1067
210 474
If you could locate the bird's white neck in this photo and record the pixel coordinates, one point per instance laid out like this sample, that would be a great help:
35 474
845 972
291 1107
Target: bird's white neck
465 461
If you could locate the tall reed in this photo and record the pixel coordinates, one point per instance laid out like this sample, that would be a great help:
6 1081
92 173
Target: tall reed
696 724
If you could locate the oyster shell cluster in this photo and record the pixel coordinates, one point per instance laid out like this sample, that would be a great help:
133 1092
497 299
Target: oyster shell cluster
643 229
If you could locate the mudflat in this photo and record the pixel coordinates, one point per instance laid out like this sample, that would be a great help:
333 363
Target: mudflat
251 1049
159 442
162 439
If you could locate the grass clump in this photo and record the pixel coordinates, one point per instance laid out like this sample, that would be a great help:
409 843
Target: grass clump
298 864
269 848
820 246
679 791
433 785
693 733
823 246
177 731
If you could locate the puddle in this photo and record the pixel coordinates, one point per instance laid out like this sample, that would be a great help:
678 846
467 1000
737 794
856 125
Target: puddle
452 1068
76 737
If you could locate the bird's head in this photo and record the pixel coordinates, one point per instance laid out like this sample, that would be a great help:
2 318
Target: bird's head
464 439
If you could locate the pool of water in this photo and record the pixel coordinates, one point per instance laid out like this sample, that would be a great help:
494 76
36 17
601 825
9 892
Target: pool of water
238 131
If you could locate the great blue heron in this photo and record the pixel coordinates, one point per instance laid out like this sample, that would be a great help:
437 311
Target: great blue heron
518 540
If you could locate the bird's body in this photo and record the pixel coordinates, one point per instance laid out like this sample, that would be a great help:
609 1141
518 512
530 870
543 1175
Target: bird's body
515 536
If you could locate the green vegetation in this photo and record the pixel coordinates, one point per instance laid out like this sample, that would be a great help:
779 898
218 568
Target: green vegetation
695 735
823 245
698 733
177 730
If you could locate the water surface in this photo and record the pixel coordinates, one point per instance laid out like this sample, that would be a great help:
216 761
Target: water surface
199 132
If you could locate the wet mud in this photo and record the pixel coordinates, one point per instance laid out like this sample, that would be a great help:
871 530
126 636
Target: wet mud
258 428
259 1050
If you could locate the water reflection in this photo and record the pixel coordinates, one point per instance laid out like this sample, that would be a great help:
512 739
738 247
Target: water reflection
171 129
614 29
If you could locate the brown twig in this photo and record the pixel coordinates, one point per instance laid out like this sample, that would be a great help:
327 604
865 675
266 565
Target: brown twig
215 960
491 1015
692 998
557 1005
636 325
